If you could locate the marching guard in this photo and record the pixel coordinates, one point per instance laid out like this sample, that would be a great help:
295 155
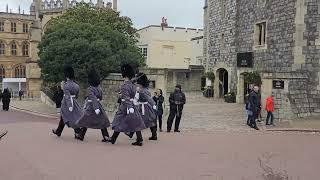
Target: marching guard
70 108
94 115
127 118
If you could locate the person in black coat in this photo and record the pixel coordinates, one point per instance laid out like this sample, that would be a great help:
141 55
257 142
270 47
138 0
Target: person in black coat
159 99
6 96
58 96
177 100
253 107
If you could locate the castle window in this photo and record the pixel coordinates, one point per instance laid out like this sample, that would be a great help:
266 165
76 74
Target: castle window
261 3
20 71
260 33
25 28
223 43
13 49
2 48
13 27
2 72
25 49
1 26
223 8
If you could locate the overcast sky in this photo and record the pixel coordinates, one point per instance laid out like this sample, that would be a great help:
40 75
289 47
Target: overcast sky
184 13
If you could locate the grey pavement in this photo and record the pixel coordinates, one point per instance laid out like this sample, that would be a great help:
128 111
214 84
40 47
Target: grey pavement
200 113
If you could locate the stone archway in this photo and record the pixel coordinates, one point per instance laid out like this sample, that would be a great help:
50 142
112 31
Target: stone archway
223 80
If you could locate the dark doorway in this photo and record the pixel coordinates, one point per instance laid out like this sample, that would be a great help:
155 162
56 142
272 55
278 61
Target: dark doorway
223 82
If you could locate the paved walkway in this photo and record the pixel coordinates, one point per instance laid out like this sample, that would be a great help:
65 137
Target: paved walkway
31 152
200 113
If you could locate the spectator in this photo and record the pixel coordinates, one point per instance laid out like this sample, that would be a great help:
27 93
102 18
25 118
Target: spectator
20 94
6 96
253 107
177 100
270 109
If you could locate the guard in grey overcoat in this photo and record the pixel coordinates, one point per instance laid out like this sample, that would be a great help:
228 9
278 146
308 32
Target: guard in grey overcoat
127 118
94 115
70 108
147 106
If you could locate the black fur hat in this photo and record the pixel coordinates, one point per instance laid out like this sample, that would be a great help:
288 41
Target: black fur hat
93 78
127 71
68 72
142 79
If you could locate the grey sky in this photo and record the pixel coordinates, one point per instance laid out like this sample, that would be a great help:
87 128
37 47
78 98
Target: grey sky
184 13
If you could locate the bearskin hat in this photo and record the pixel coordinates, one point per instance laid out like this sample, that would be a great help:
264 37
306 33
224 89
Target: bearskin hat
127 71
142 79
69 72
93 78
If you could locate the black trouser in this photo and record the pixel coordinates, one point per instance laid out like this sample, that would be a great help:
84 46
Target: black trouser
252 119
154 131
269 116
5 105
160 121
104 132
61 127
175 112
116 134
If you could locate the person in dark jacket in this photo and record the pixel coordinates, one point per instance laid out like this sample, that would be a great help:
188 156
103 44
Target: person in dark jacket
94 115
177 100
58 96
159 99
253 107
6 96
21 94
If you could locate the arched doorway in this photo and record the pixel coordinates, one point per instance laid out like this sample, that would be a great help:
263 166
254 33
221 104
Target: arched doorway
223 81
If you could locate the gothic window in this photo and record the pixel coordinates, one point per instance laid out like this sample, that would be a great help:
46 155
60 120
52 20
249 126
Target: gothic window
13 49
2 72
20 71
25 28
1 26
25 49
13 27
2 48
260 34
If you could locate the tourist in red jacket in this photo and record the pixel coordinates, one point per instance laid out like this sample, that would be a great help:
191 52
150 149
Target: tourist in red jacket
270 109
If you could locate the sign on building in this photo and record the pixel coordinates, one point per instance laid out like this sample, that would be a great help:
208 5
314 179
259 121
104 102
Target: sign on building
278 84
245 59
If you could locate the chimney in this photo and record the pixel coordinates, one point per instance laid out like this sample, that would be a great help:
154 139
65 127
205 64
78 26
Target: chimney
115 5
19 9
164 23
100 3
7 9
65 4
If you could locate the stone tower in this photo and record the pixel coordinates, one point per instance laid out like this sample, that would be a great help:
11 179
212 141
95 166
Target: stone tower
115 5
281 43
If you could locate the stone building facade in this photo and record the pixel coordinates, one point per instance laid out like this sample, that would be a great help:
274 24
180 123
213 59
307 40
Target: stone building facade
20 35
282 40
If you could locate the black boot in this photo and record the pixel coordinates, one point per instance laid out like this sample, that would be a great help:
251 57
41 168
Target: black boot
154 133
56 133
113 138
129 134
139 139
137 143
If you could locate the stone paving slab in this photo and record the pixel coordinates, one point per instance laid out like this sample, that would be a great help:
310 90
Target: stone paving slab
199 113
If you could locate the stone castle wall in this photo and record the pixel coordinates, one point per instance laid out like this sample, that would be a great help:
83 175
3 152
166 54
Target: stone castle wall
291 54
